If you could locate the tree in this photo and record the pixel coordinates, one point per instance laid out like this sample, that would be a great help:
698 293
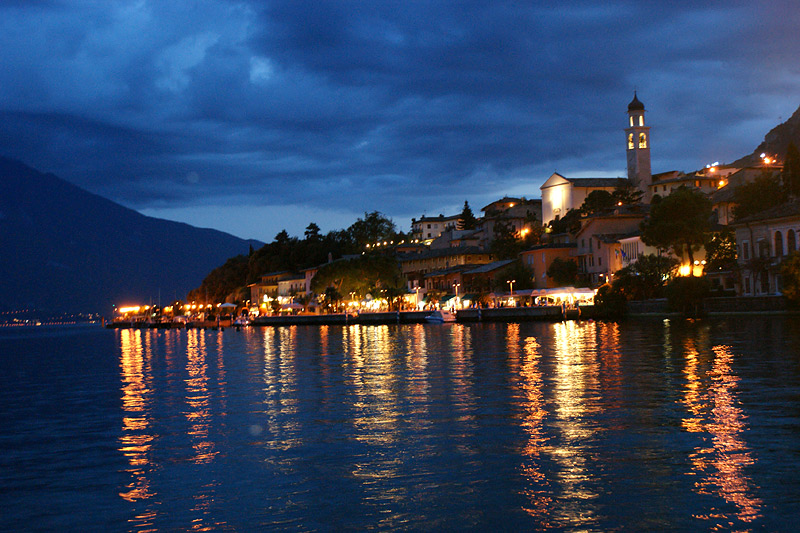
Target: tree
790 175
646 277
373 228
505 244
597 202
626 194
563 272
517 271
679 222
721 251
467 218
790 277
282 237
360 275
569 223
759 195
312 232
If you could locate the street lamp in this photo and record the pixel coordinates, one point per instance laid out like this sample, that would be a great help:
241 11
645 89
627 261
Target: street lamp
456 286
511 286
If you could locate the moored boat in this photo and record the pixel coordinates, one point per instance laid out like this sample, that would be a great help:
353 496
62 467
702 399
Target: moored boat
440 317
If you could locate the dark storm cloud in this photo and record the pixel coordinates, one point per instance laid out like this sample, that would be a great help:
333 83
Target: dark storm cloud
396 106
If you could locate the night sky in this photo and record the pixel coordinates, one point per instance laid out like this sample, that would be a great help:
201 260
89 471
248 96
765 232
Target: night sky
251 117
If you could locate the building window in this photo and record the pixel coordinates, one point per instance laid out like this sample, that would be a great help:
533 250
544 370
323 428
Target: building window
599 261
778 244
642 140
747 285
630 139
746 250
763 248
791 242
641 120
631 121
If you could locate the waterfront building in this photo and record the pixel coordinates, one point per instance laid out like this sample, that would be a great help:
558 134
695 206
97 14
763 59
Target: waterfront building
267 286
519 214
415 266
428 228
598 247
539 258
763 241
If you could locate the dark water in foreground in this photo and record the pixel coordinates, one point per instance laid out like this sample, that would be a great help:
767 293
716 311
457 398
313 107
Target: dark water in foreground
669 425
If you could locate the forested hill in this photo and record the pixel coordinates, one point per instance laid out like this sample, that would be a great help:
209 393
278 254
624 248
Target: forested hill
65 249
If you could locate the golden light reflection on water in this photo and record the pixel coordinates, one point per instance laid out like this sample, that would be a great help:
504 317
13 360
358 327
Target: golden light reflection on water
575 385
279 428
538 492
462 376
137 438
372 377
711 399
198 412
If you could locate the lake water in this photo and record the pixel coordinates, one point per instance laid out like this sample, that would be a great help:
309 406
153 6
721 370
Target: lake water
575 426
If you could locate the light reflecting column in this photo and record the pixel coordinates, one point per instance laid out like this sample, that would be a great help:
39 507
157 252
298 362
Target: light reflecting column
711 400
136 442
538 490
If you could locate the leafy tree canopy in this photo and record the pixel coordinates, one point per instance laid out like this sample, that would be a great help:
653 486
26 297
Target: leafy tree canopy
646 277
517 271
569 223
361 275
597 202
721 251
374 227
679 222
563 272
626 194
791 171
759 195
790 277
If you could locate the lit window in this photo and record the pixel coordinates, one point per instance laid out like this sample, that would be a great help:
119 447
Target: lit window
631 120
630 141
641 120
642 140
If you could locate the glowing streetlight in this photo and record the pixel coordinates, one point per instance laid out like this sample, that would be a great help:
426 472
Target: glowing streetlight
511 286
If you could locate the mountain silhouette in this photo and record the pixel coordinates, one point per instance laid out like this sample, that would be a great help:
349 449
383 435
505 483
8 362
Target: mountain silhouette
63 249
775 142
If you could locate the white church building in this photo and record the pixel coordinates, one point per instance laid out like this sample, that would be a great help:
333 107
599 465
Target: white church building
560 194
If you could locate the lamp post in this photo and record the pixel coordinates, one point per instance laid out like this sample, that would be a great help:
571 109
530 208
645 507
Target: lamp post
511 286
456 286
416 301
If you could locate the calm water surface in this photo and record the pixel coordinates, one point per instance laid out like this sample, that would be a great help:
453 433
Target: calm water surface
578 426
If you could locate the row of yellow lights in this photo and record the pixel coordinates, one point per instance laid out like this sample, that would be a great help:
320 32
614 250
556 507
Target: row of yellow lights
138 308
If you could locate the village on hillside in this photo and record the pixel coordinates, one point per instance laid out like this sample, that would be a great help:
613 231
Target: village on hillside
726 230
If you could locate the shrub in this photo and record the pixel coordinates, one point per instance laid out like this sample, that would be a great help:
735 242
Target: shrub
685 294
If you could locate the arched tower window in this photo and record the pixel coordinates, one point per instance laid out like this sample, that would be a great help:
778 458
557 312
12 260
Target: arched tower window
641 120
630 141
778 244
642 140
631 120
791 242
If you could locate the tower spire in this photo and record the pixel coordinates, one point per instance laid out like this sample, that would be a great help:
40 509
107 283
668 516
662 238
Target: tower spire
638 148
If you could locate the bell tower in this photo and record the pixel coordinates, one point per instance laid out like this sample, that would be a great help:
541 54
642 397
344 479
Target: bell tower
637 137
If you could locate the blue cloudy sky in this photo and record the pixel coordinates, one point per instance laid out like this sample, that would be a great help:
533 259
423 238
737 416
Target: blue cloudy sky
251 117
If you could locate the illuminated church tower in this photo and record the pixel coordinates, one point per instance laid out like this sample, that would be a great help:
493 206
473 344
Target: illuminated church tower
638 139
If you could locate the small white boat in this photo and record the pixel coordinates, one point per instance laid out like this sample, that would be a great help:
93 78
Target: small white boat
241 322
440 317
